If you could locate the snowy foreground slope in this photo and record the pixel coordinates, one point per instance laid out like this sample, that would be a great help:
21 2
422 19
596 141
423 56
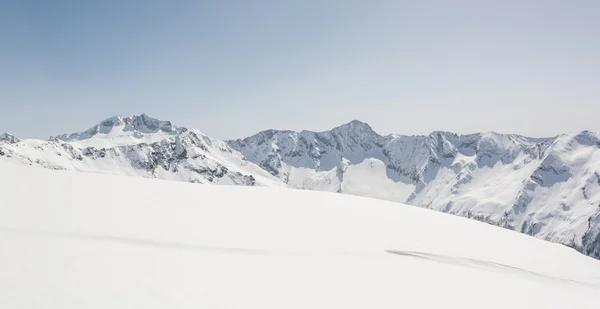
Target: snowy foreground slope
78 240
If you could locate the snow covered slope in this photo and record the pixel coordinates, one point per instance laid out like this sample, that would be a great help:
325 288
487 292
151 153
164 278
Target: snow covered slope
549 188
82 240
142 146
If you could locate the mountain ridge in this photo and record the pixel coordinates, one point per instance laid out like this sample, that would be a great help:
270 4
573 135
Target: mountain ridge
448 172
545 187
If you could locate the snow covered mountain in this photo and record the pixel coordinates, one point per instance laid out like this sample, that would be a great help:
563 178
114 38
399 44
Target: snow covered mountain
544 187
9 138
128 129
141 146
81 240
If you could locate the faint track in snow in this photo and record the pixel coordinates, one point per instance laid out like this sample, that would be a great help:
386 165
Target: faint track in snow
438 258
485 265
134 241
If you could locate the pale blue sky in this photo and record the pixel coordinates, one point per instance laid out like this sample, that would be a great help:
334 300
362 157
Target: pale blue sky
233 68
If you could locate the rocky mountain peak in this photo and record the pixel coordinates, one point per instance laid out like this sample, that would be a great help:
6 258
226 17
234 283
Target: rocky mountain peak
9 138
354 127
587 138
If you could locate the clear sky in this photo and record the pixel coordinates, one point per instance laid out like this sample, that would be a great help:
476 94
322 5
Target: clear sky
233 68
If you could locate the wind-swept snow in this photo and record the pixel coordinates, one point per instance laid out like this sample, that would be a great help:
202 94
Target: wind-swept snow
77 240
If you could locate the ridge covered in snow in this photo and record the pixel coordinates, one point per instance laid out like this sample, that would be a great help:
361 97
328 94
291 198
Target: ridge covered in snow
124 130
76 241
545 187
142 146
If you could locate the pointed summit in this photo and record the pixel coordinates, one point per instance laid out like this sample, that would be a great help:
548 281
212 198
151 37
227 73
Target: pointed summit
354 124
9 138
587 138
355 127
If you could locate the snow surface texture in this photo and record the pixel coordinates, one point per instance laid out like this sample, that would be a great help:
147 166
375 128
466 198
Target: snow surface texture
80 240
548 188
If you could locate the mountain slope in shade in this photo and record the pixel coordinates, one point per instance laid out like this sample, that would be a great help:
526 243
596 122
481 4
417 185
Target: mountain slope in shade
142 243
545 187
